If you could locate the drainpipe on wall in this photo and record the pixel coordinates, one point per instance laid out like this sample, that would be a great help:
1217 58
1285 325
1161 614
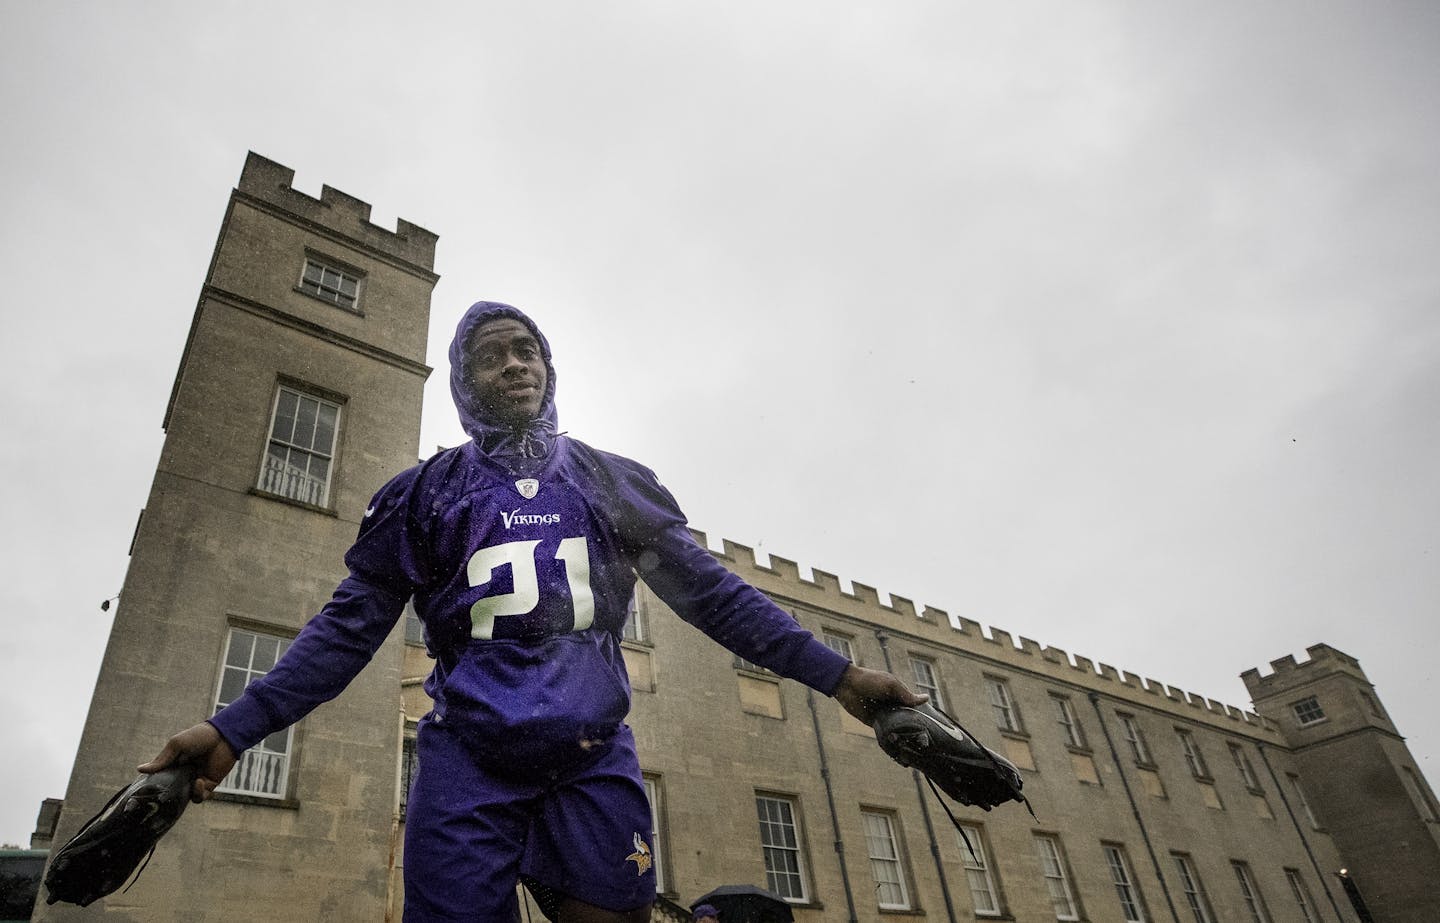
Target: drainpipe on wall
394 830
920 795
1134 807
830 798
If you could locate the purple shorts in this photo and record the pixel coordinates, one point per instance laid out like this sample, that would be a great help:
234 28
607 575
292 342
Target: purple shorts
582 831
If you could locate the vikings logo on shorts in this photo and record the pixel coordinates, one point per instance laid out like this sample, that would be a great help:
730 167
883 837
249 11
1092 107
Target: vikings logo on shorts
641 856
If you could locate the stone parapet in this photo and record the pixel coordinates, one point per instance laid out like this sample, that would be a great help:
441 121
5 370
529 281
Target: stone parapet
782 579
338 211
1288 674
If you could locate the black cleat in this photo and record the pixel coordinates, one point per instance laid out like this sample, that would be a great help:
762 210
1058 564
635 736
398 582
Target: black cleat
99 858
928 740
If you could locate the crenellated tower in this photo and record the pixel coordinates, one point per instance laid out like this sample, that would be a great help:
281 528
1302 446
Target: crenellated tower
1360 781
298 395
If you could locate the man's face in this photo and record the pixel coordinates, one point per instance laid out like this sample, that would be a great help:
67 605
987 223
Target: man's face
507 371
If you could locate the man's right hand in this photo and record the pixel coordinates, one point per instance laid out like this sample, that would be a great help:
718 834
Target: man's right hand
203 746
864 692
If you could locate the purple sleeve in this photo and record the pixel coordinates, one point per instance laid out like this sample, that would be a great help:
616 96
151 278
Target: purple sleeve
707 595
328 653
385 564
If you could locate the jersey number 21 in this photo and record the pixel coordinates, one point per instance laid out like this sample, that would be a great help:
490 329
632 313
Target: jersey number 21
573 552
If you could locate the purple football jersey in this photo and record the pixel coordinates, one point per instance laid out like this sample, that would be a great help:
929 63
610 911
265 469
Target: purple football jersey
522 600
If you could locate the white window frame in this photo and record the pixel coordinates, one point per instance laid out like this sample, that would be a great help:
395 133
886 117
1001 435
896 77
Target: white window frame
781 837
1303 899
409 765
1308 711
740 663
1304 802
1417 790
984 891
1070 721
1136 738
329 283
1250 891
263 771
1002 703
1193 757
637 626
1057 880
844 645
278 476
927 679
414 628
1193 888
1244 767
654 792
882 846
1132 908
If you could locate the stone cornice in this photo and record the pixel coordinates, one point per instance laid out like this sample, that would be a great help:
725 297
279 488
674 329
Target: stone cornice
249 306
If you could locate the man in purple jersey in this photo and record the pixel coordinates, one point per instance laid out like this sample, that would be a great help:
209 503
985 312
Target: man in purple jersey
520 550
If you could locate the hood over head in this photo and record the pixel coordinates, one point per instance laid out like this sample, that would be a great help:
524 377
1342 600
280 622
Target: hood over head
493 437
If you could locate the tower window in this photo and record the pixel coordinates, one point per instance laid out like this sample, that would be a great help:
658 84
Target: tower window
301 447
264 769
1303 801
1308 711
1422 797
328 283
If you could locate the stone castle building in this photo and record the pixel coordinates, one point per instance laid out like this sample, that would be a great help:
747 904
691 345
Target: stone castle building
299 394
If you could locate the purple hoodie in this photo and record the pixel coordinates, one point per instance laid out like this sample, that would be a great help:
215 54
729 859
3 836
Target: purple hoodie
520 550
498 439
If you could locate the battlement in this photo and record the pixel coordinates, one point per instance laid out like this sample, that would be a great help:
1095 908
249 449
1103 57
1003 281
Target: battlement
1287 673
337 211
782 579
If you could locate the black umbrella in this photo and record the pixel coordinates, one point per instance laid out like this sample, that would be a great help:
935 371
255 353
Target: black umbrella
747 904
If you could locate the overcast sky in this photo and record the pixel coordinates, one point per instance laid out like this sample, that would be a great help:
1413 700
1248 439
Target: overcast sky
1112 325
